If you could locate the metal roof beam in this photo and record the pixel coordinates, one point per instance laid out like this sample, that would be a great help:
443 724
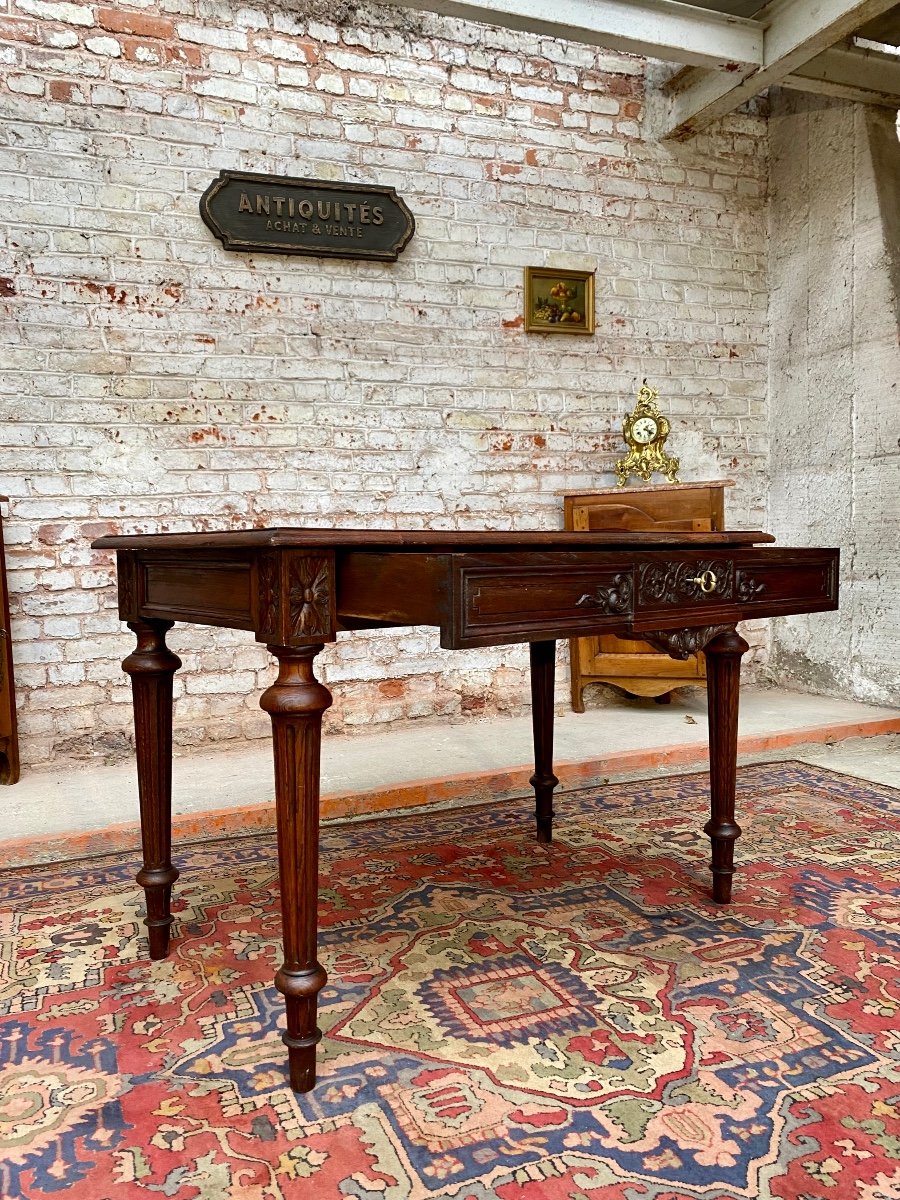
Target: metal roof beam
867 76
795 32
652 28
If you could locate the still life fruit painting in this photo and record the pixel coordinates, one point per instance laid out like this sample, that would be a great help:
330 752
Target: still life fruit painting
558 301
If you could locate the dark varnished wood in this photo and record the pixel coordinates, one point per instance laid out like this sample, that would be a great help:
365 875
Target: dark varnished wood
448 540
513 595
296 588
681 643
296 702
152 666
543 664
723 673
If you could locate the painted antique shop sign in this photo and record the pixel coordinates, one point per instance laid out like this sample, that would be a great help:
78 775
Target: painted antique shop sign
281 215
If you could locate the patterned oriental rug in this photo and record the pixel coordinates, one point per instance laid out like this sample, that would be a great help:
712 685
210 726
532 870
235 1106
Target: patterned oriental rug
503 1019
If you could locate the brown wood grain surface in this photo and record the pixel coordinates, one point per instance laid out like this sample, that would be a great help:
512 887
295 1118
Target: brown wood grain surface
418 538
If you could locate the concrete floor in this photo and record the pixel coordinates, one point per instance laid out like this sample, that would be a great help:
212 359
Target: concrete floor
448 764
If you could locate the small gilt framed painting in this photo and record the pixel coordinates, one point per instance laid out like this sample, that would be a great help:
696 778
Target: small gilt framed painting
558 301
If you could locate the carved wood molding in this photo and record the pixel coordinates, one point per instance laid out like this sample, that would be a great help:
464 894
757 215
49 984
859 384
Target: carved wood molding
746 587
267 576
682 643
675 582
127 574
610 600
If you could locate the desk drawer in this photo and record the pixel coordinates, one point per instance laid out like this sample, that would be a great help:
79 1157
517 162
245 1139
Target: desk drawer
749 584
526 604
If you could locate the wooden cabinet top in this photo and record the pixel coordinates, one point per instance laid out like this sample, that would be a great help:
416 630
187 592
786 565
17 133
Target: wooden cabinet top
651 487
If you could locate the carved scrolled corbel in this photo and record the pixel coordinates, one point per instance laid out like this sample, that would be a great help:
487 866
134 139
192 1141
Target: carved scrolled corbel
682 643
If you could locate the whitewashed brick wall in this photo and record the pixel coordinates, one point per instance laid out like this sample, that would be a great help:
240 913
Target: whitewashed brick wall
153 381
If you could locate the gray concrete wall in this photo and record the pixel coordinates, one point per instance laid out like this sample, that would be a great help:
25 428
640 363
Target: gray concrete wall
834 391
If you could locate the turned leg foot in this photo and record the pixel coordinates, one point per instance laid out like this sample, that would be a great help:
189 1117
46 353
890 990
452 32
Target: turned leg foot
543 662
300 990
152 666
296 702
723 670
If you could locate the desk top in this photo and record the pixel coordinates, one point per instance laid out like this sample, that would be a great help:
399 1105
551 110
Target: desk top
439 541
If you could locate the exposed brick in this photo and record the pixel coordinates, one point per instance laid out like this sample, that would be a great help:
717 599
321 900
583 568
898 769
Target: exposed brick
111 97
326 82
18 30
293 76
140 24
164 383
58 10
27 85
66 92
289 51
107 46
224 39
60 39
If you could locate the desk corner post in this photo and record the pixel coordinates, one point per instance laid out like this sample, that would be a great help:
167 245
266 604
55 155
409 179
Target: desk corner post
723 669
296 702
543 664
152 666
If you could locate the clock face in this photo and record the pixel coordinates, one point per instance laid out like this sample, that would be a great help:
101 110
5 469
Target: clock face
644 430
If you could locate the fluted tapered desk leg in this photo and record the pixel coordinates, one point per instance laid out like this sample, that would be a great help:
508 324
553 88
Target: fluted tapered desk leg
723 673
151 667
296 702
543 663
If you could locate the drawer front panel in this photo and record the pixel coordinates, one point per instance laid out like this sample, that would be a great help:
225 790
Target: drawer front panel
738 587
632 591
524 604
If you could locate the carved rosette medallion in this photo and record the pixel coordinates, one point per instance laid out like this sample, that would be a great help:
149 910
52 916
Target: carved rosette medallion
682 643
309 597
610 600
673 583
746 587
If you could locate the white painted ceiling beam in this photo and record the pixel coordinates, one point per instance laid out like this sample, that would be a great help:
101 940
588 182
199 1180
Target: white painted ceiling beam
867 76
795 32
653 28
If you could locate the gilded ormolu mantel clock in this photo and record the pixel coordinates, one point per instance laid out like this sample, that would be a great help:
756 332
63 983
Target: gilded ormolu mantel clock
645 430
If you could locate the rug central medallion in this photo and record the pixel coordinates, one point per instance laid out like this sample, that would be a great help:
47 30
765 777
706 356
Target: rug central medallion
530 1007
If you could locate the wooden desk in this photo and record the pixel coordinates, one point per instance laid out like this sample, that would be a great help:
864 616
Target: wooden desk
296 588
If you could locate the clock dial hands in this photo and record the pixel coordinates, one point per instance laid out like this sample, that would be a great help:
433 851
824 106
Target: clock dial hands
644 430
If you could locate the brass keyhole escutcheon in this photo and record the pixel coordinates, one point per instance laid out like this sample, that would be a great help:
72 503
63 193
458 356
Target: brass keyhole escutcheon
706 582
